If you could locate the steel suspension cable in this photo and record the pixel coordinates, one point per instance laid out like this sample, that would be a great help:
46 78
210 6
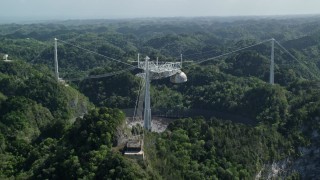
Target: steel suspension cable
102 75
234 51
93 52
291 55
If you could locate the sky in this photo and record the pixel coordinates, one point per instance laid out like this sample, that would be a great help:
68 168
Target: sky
113 9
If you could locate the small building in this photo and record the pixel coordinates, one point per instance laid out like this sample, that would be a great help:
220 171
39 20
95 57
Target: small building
134 149
62 81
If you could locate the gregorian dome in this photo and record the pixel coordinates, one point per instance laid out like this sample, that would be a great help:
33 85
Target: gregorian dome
180 77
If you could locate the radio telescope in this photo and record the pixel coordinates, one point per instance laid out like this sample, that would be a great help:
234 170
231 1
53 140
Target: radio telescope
156 70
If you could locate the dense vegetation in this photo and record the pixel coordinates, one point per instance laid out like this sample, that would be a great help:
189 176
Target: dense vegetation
199 149
44 134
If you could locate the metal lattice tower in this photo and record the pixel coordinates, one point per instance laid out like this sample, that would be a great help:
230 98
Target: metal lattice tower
154 70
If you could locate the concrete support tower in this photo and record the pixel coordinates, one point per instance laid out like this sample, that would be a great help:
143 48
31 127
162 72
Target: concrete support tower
272 62
147 108
156 70
56 70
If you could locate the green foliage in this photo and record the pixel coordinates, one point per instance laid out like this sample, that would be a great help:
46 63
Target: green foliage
115 91
33 106
23 118
194 148
115 166
249 64
267 103
85 151
21 79
40 137
2 97
165 98
96 129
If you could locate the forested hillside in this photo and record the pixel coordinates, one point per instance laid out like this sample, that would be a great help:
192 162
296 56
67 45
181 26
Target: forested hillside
238 126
